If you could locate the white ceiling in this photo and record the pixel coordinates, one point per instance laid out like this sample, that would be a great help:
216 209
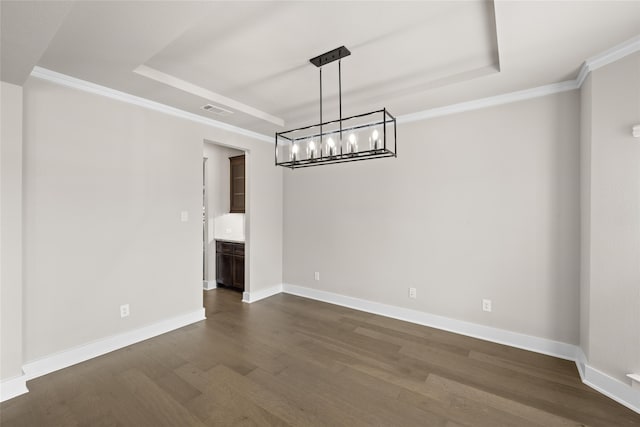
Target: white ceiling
406 56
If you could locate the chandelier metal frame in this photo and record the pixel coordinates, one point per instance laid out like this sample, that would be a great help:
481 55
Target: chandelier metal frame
383 124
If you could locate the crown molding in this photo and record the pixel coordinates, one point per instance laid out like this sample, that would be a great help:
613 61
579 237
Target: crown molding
491 101
597 61
216 98
613 54
593 63
83 85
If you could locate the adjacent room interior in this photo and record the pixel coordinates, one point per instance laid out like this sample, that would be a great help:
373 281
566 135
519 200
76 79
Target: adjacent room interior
224 208
320 213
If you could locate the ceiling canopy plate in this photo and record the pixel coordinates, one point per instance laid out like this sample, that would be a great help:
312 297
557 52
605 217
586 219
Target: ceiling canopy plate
328 57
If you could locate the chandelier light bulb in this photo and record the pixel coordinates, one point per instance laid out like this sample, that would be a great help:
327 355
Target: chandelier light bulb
311 149
332 147
365 136
352 146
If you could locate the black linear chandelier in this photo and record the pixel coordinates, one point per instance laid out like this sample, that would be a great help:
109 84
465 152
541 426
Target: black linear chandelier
361 137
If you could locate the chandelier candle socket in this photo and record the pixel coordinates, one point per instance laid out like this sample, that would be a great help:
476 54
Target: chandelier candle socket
336 141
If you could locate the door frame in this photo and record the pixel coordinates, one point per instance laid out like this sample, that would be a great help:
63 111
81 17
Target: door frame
205 225
211 284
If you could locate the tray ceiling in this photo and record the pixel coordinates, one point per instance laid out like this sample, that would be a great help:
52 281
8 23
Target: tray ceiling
406 56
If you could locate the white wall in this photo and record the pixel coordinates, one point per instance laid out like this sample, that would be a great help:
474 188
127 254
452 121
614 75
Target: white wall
482 204
612 282
11 231
105 183
585 211
218 200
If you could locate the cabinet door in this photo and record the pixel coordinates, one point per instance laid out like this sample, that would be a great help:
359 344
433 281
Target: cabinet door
238 272
224 271
237 184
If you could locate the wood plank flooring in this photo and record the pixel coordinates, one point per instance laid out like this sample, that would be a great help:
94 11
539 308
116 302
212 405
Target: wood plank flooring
291 361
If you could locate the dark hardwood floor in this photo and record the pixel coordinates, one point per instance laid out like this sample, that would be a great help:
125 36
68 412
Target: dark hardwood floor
292 361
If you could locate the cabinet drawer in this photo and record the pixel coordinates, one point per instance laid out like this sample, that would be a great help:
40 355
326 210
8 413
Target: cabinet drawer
224 247
238 249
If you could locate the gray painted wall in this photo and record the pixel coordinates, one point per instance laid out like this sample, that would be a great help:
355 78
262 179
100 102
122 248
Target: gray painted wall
612 285
11 231
482 204
585 210
105 183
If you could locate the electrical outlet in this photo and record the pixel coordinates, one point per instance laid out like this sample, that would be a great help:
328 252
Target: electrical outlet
412 293
124 310
184 216
316 275
486 305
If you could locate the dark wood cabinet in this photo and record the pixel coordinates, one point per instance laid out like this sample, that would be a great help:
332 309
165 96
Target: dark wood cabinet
237 184
230 264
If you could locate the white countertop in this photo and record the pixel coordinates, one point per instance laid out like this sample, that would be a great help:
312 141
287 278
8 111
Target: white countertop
221 239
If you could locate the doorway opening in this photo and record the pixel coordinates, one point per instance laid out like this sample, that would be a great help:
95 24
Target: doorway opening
224 218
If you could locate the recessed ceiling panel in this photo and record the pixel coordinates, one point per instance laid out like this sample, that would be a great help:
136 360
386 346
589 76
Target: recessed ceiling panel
258 53
406 56
103 41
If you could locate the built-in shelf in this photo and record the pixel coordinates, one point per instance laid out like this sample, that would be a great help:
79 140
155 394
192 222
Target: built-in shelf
237 184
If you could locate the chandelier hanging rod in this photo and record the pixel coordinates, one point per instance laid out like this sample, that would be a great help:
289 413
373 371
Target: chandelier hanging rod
314 145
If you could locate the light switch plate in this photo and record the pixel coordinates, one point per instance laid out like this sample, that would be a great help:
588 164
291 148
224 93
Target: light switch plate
184 216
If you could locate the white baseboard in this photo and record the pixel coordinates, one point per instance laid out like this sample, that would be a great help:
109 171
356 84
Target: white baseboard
615 389
581 363
207 285
603 383
611 387
97 348
13 387
635 381
488 333
250 297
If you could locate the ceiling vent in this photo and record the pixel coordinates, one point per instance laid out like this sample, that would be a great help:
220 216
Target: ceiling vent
216 110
